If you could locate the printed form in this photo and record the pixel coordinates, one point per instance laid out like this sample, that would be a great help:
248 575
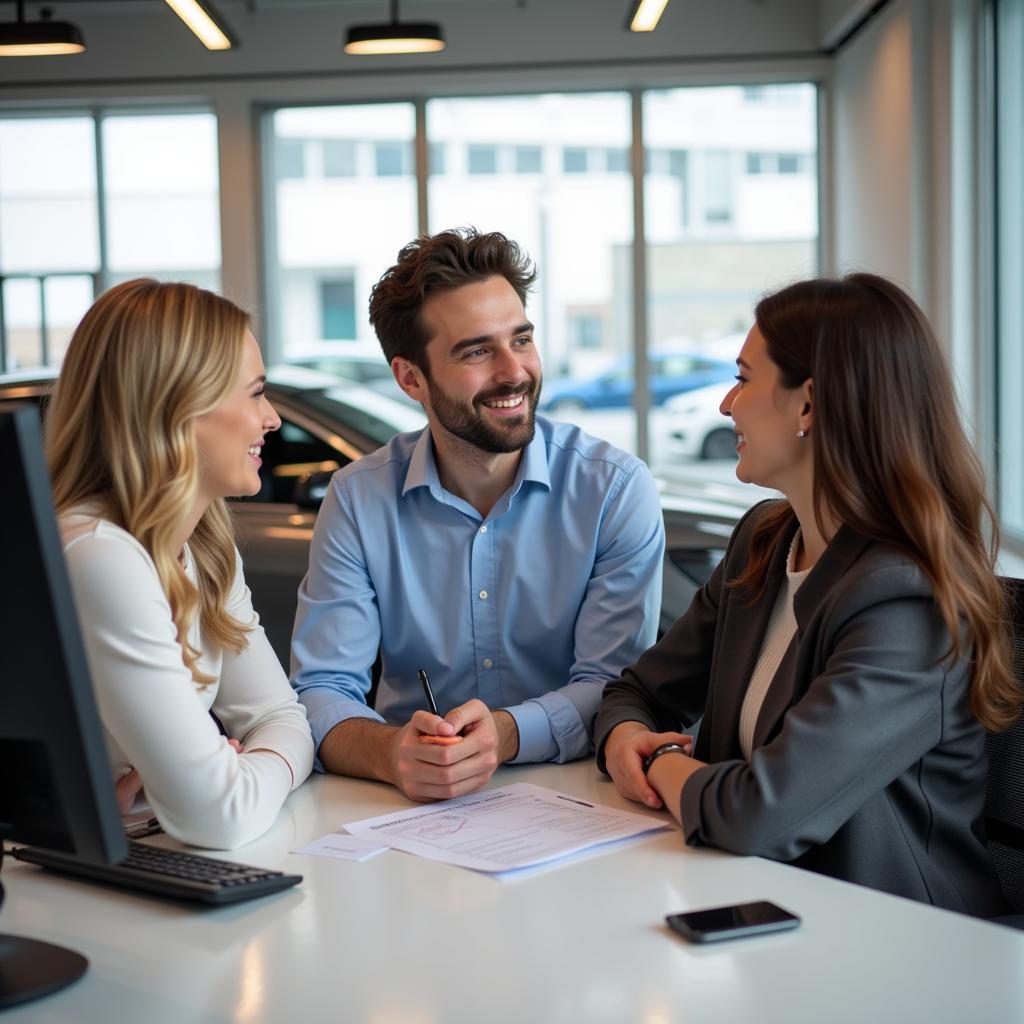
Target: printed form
504 830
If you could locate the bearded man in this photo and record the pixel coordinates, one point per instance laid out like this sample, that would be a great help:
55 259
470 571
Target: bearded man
514 561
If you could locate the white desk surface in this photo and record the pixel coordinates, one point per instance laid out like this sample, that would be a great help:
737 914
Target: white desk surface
400 940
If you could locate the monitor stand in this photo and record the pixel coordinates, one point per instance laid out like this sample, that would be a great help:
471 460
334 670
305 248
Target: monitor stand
30 969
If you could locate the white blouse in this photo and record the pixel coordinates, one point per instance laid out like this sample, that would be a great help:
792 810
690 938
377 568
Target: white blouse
156 717
781 629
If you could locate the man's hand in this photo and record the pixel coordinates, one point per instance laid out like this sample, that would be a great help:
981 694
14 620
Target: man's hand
428 771
624 752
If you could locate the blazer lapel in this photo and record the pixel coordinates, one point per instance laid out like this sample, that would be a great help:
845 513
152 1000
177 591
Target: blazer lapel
743 632
786 688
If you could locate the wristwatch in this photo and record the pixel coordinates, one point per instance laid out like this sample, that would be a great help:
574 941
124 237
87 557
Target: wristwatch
665 748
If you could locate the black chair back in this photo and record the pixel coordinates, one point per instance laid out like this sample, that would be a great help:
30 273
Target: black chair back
1004 799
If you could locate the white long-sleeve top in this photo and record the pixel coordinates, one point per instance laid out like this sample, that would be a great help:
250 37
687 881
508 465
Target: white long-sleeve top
156 717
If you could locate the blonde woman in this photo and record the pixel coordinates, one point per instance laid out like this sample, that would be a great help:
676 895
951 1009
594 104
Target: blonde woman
159 414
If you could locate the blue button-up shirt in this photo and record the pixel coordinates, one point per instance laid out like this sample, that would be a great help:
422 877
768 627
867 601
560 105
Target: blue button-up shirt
532 608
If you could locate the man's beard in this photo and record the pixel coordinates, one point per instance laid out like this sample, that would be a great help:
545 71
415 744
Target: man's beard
469 424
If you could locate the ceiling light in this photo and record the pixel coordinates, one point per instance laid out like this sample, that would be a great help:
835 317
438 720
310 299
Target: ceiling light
202 20
646 14
44 38
395 36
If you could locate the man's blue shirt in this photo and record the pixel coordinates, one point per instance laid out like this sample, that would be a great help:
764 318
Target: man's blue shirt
532 608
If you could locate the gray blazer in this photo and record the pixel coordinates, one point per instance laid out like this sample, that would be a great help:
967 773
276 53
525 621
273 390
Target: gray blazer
867 764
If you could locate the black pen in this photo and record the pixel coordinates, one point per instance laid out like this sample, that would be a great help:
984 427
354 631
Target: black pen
425 683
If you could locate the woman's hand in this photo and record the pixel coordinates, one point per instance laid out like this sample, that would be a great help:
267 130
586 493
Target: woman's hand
127 788
624 752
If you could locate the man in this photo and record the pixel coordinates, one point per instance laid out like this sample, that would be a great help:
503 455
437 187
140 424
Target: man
516 561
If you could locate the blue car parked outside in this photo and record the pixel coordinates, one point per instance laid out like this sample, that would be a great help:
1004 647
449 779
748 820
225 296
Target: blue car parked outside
670 372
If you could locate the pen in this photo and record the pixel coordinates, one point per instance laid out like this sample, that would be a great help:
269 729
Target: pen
425 683
582 803
438 741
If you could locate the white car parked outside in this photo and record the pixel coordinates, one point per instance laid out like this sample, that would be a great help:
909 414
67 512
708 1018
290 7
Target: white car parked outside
692 426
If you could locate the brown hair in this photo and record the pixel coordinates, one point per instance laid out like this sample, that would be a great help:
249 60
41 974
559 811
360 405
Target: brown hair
433 263
145 362
891 459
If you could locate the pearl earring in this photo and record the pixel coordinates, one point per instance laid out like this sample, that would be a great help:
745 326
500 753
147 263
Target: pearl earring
801 433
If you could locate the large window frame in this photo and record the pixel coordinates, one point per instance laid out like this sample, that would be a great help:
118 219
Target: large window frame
104 274
636 168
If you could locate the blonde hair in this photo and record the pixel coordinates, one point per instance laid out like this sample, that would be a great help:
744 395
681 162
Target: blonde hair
146 361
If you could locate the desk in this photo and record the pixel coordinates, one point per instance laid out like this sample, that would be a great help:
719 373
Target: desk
400 940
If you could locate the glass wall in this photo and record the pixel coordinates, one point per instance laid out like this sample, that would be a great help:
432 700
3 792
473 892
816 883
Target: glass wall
730 196
49 226
731 201
343 187
1010 262
88 200
552 172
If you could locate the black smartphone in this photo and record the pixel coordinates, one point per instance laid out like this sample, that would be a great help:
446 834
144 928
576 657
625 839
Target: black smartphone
732 922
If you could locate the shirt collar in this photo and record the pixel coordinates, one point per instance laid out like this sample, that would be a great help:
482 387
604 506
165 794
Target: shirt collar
422 471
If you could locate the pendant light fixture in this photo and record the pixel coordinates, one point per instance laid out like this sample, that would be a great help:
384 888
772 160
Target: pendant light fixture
41 38
395 36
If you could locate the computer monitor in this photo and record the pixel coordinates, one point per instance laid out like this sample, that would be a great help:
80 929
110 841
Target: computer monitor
57 790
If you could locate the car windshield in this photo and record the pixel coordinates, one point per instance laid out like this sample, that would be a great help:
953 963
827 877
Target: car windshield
372 414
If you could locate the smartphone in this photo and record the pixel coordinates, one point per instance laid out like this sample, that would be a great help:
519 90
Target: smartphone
732 922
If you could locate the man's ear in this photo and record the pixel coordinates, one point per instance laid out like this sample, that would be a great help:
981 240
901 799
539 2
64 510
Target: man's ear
409 378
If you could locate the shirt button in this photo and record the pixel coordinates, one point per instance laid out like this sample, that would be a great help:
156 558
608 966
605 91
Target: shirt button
483 595
483 529
488 663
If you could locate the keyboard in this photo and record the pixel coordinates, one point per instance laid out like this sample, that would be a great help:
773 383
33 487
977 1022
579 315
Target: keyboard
171 873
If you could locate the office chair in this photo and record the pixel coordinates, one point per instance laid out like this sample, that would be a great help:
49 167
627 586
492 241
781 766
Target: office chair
1004 798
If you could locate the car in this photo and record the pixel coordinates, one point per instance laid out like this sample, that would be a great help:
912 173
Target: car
356 362
693 427
327 423
671 372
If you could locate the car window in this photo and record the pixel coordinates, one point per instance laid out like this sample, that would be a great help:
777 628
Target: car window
289 454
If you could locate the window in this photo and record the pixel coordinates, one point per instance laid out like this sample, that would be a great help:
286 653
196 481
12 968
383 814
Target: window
789 163
161 217
722 226
339 158
163 213
572 217
338 309
528 159
617 160
393 160
574 160
333 235
586 330
290 158
1010 265
482 159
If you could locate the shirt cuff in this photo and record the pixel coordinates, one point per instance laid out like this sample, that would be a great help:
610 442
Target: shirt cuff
325 718
536 742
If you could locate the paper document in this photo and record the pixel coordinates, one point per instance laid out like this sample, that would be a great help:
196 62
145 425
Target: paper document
343 847
506 829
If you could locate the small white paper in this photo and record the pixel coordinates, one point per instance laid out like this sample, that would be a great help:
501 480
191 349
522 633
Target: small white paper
342 846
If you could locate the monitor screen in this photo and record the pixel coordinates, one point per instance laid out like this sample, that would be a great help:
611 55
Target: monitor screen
57 789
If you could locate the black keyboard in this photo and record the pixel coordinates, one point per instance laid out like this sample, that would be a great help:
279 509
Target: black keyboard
172 873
